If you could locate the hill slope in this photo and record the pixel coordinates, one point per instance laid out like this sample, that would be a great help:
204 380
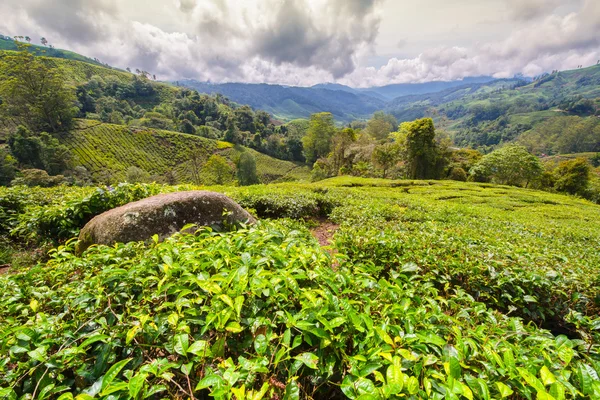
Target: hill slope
9 44
288 103
107 150
536 114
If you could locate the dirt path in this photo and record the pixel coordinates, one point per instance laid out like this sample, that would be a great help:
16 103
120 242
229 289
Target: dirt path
324 232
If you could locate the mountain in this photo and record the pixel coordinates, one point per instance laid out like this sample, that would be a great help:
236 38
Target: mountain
556 113
344 102
405 89
291 102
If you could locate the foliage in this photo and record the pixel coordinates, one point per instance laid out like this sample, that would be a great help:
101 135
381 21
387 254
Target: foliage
246 170
34 95
41 151
573 176
509 165
136 175
217 171
385 156
261 313
107 151
37 177
421 148
317 142
8 167
380 125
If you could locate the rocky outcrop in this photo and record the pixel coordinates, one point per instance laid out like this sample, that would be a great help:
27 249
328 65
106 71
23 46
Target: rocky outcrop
164 215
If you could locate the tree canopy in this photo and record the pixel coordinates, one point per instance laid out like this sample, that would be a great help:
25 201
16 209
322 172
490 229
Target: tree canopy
509 165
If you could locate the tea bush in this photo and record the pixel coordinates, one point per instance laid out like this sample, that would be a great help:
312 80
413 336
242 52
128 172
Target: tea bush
432 293
261 313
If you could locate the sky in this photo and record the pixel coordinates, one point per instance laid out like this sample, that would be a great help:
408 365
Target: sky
360 43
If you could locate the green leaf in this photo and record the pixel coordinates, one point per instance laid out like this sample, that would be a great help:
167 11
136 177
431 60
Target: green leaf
93 339
181 344
113 372
412 385
136 384
131 333
395 378
227 300
309 359
504 390
210 381
260 344
239 303
565 354
547 376
453 368
292 391
199 348
39 354
234 327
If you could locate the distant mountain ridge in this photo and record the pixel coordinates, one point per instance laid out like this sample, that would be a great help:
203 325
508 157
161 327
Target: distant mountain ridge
290 102
344 102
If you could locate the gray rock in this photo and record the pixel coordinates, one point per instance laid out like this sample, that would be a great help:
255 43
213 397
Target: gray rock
164 215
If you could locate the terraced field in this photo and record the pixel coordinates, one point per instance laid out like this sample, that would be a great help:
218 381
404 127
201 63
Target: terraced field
108 150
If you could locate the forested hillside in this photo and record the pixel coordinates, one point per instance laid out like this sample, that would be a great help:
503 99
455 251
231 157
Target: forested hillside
8 43
557 113
88 123
288 102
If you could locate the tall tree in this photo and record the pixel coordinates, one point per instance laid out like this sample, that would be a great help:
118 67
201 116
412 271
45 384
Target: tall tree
421 148
385 156
341 142
317 142
246 169
35 95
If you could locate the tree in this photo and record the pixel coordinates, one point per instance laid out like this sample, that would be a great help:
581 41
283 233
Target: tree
246 169
510 165
422 151
317 142
136 175
8 167
340 143
385 156
44 41
232 134
572 176
35 95
217 171
38 177
381 125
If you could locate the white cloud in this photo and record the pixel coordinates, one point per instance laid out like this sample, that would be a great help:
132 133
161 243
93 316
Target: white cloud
299 42
555 42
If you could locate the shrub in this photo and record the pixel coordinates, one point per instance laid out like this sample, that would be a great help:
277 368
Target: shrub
573 176
37 177
458 174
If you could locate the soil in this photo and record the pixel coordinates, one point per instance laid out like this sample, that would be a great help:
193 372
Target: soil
324 232
4 269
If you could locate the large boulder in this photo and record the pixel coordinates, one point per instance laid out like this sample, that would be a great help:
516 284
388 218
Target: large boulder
164 215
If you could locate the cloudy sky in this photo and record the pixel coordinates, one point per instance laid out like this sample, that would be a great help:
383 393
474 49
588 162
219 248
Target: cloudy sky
360 43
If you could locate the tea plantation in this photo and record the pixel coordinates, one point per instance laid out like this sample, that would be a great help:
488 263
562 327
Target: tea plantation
428 290
107 150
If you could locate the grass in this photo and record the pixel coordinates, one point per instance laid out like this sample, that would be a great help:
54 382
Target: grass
107 150
429 288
